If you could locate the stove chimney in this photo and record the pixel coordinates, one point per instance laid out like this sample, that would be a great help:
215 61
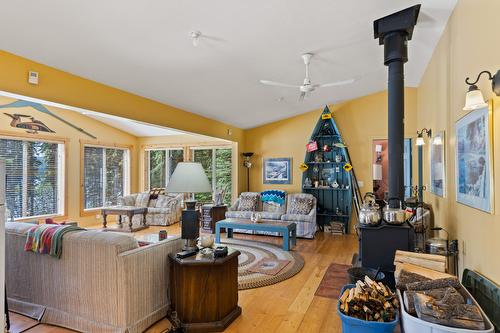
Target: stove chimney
394 31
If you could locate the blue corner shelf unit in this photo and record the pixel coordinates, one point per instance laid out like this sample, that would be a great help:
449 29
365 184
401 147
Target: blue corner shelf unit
325 177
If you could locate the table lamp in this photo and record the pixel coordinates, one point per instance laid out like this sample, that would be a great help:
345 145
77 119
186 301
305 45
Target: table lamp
189 177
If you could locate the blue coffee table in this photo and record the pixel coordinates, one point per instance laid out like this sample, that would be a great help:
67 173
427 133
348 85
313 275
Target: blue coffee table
287 229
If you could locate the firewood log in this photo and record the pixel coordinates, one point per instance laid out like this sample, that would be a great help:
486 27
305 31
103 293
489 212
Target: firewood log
406 277
431 261
433 284
466 316
444 295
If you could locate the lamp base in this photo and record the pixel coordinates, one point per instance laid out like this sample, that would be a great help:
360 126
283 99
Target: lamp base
190 245
190 204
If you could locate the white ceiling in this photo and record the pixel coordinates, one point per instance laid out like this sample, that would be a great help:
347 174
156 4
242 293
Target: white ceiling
131 126
145 47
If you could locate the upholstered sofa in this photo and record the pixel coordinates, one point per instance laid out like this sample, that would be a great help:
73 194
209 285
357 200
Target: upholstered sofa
103 282
163 209
306 223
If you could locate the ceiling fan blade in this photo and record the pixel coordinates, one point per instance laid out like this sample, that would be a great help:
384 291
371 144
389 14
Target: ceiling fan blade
278 84
338 83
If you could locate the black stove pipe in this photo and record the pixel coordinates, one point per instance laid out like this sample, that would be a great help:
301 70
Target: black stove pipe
394 32
396 99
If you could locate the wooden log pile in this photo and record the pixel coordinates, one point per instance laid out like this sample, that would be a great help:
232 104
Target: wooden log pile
369 300
440 301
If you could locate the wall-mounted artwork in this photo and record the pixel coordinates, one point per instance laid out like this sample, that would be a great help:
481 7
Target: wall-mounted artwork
29 123
473 160
277 171
437 165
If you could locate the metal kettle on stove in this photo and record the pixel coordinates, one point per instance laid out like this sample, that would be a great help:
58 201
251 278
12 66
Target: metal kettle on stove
369 213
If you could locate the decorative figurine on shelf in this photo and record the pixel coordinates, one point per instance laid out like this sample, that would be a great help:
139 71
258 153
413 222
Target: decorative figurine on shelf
318 157
338 158
335 185
326 129
338 211
329 181
326 148
316 183
337 169
307 182
311 146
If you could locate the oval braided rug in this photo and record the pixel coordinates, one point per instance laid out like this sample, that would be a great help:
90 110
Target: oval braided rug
252 252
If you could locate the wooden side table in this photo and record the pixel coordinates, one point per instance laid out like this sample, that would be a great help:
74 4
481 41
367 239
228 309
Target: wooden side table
210 215
204 291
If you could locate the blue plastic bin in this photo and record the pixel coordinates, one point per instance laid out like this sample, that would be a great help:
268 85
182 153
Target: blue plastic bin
355 325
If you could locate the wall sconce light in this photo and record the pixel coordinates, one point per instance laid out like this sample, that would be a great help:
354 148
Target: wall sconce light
474 98
195 35
420 136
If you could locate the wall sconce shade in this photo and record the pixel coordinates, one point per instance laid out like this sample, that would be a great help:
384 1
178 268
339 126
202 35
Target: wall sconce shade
474 98
437 141
420 136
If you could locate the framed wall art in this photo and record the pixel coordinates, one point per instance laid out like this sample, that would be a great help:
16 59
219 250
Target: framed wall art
277 171
474 162
437 165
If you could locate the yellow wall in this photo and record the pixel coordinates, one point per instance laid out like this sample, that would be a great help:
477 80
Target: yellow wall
359 121
468 46
104 133
61 87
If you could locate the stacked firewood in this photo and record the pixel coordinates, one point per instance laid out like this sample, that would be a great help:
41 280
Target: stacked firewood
369 300
439 301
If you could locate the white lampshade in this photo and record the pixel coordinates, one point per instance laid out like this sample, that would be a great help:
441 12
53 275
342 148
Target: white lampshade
377 171
437 141
420 141
188 177
474 100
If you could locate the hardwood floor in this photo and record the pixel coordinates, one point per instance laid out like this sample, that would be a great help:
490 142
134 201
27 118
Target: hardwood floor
288 306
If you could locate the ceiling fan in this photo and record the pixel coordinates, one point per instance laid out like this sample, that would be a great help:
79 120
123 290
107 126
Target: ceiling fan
307 87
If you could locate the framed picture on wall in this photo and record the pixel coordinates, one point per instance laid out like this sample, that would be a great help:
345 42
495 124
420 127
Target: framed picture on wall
474 165
277 171
437 167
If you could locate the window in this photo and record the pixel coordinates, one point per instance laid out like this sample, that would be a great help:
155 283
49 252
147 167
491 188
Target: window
34 177
161 165
217 163
105 175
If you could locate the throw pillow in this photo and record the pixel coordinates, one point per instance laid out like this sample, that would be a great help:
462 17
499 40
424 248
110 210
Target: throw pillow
162 201
247 203
142 199
301 206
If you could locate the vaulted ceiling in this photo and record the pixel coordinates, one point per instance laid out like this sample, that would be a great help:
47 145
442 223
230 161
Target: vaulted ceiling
144 47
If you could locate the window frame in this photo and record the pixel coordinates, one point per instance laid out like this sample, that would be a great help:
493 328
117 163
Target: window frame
62 172
127 172
214 173
147 163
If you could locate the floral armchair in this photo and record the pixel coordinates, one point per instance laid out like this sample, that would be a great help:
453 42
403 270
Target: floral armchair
165 209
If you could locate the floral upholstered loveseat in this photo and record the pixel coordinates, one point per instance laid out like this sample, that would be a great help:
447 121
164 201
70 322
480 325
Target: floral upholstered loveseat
163 209
299 208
